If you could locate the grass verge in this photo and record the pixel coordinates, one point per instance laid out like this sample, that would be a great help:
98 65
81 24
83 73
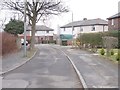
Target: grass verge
111 57
31 52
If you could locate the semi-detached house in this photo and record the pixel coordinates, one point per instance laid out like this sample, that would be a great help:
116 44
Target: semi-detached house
42 34
84 26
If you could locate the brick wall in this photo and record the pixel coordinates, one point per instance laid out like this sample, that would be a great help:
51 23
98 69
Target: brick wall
116 25
9 44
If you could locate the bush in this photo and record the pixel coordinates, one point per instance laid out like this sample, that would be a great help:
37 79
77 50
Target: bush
9 44
118 56
93 39
52 41
96 39
111 52
102 52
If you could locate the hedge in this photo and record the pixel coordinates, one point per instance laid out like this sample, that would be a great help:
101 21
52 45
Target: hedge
95 39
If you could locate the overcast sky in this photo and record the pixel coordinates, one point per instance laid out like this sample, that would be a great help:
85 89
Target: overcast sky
89 9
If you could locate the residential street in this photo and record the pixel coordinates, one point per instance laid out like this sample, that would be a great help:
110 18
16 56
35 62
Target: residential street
60 44
49 68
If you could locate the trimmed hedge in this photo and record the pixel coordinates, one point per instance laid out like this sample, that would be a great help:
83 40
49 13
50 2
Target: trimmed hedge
49 42
95 39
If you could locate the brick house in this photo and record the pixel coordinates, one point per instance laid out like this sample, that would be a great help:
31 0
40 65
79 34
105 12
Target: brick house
114 22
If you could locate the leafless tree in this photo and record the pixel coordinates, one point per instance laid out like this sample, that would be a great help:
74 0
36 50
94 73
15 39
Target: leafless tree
110 43
37 9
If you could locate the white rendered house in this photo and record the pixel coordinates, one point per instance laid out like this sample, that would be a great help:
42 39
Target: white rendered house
84 26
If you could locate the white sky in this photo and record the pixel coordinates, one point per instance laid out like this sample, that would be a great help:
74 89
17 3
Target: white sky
89 9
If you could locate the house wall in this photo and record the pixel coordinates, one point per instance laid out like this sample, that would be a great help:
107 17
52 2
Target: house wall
98 28
44 33
66 31
115 26
39 33
39 36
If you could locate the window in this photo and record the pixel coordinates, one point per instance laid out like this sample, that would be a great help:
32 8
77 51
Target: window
47 31
93 28
73 28
112 22
64 29
81 29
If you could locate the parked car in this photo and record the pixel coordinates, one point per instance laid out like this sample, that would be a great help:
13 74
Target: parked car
22 42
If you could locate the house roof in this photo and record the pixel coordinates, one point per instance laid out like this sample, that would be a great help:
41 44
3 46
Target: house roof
86 23
114 16
40 28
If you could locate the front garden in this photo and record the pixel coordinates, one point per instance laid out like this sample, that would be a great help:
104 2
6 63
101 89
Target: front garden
106 44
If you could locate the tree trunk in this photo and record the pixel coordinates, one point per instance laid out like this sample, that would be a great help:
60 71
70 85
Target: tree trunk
33 29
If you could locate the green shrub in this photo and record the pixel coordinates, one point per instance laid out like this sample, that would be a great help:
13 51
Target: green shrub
102 51
111 52
118 56
94 39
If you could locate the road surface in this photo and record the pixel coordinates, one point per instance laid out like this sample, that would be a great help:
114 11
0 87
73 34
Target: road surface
50 68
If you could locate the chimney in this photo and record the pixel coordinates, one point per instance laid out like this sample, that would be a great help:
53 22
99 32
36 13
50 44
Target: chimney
84 18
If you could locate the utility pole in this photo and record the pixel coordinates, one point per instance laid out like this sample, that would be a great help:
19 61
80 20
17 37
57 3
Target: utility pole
25 51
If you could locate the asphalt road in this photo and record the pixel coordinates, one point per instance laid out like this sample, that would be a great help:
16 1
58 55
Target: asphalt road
50 68
96 71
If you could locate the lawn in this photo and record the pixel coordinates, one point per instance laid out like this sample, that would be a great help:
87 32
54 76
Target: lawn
111 57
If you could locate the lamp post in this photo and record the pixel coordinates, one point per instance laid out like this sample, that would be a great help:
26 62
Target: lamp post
72 29
25 52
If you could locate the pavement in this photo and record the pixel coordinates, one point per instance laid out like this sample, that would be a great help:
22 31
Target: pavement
11 62
97 72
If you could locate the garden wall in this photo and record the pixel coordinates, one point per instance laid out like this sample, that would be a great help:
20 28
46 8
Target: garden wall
8 43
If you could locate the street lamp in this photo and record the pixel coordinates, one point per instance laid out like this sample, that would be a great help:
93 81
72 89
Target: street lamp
72 29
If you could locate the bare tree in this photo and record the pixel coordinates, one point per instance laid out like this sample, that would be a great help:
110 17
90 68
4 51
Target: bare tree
37 9
110 43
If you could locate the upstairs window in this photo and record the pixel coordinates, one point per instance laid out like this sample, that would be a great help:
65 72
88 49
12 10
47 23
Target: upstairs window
81 29
93 28
47 31
112 22
64 29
